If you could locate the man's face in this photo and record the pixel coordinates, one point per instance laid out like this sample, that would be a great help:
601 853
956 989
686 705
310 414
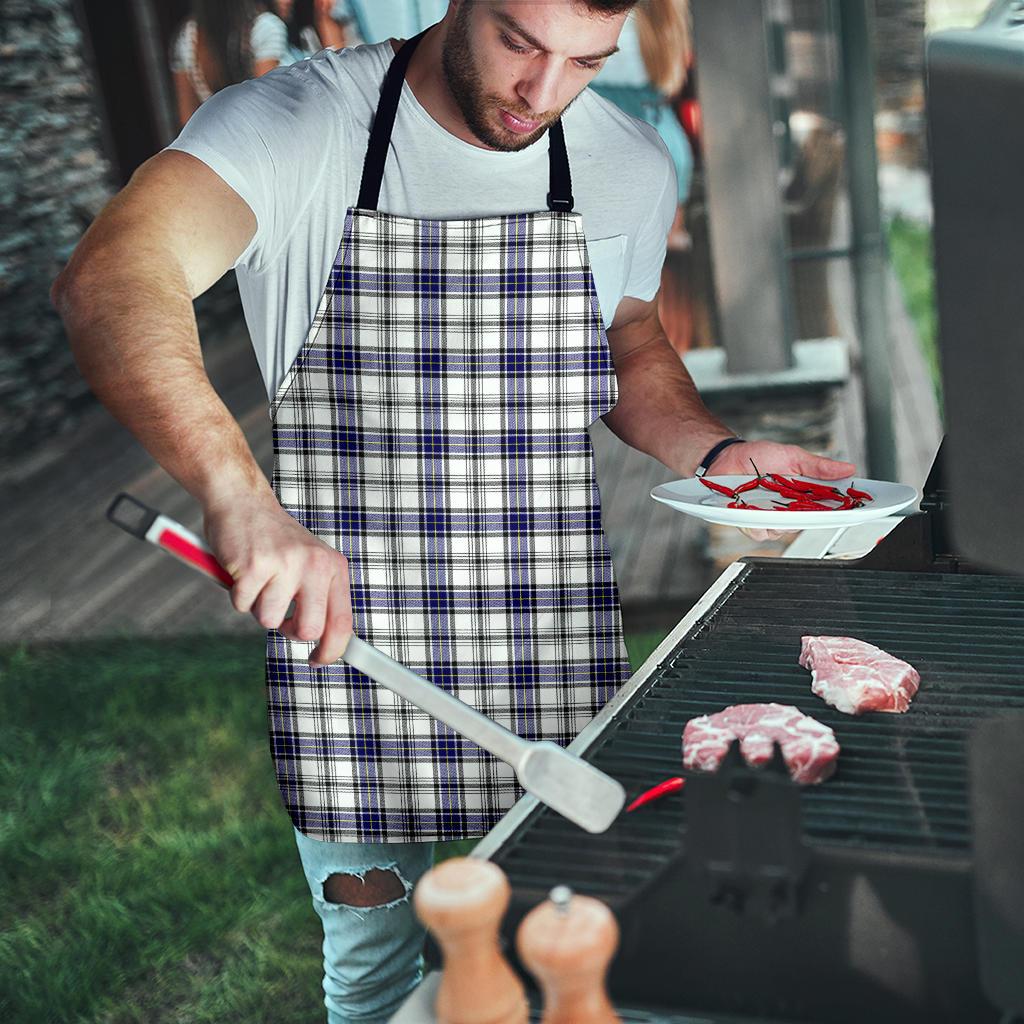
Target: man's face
513 66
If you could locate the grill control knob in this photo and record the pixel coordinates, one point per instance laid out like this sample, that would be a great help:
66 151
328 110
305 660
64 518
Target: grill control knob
567 942
462 902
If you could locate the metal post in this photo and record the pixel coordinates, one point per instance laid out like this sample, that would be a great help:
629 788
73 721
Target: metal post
868 240
154 63
744 202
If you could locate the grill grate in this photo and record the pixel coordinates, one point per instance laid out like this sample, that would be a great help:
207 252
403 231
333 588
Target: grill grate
901 785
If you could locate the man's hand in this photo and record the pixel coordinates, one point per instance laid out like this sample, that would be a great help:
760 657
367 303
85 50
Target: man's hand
771 457
660 412
275 560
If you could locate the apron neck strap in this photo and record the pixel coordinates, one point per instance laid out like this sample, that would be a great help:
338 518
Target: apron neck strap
560 186
383 122
559 196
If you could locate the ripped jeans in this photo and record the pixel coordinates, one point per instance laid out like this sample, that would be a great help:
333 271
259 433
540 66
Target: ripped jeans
372 954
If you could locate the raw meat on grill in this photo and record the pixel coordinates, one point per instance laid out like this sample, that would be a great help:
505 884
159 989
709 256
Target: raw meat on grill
808 747
855 677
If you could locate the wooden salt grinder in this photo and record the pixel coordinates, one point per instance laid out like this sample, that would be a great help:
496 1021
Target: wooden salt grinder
462 901
567 942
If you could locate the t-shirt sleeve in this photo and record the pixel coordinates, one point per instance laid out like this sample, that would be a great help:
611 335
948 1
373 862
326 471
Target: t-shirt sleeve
269 140
269 38
180 55
652 238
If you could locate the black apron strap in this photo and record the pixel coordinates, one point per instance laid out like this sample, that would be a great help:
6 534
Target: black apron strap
383 122
559 186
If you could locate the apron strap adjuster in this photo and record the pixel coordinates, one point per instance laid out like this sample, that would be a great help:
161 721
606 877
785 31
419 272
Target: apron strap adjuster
560 205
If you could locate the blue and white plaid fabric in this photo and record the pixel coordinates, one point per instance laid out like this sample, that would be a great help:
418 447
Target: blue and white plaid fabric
434 429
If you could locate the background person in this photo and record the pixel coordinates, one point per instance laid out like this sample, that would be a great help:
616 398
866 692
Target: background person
314 25
221 43
375 20
647 75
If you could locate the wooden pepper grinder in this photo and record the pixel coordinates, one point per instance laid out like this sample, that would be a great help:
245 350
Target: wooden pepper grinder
462 901
567 942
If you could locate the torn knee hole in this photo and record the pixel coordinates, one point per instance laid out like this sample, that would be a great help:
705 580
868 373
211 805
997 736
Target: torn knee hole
373 889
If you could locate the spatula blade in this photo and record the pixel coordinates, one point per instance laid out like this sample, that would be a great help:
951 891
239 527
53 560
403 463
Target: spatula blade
571 786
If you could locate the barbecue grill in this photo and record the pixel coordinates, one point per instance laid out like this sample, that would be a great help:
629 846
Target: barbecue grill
748 896
895 890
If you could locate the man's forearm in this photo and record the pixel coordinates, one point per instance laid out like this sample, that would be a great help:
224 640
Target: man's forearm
659 410
133 333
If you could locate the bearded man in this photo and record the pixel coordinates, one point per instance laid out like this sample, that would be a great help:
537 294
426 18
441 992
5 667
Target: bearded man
431 379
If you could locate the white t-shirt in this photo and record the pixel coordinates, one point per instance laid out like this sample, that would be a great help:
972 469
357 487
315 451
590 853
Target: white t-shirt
292 144
268 40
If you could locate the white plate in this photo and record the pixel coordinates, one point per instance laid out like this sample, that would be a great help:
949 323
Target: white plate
693 498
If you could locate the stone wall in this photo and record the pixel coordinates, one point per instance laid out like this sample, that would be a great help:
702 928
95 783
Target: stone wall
54 178
899 82
899 53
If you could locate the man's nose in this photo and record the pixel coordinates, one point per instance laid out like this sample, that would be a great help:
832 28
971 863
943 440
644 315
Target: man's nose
539 89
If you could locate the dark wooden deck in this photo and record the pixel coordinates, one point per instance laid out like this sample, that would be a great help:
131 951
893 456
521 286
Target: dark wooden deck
67 572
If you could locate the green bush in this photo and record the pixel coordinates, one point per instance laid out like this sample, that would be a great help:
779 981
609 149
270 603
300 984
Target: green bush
910 248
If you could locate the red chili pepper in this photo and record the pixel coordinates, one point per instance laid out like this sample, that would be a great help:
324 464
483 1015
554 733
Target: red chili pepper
656 792
862 495
719 488
743 504
750 485
807 505
786 492
809 487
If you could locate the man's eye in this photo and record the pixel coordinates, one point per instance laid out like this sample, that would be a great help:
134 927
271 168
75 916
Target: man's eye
512 46
588 65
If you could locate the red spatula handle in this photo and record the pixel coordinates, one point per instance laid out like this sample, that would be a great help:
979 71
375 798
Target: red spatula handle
147 524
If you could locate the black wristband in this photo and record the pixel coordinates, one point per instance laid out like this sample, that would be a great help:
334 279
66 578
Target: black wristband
705 463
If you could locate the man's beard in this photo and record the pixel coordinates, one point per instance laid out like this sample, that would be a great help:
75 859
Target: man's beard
465 84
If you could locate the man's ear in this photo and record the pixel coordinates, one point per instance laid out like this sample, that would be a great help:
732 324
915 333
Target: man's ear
452 12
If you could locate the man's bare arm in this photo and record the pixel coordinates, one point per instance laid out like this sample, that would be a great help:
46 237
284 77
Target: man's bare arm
126 300
660 411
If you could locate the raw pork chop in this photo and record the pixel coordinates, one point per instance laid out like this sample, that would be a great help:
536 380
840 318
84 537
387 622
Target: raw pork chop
808 747
855 677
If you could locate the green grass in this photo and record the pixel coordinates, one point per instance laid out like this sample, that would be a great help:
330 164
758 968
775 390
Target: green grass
910 247
147 869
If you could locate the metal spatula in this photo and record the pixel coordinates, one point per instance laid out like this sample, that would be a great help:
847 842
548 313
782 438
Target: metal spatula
564 782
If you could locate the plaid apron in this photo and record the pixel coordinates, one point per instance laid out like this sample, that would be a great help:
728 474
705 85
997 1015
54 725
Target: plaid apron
434 429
